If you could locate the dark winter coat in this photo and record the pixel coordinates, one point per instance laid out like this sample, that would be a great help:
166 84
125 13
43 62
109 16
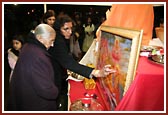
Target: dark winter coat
32 86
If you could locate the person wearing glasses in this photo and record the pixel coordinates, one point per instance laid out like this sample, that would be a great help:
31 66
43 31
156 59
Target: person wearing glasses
63 59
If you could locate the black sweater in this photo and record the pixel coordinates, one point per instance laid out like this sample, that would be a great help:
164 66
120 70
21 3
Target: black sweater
63 60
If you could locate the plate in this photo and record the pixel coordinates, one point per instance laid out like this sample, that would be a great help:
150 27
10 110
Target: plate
158 59
149 48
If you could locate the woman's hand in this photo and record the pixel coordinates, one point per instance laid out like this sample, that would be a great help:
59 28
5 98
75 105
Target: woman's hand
106 70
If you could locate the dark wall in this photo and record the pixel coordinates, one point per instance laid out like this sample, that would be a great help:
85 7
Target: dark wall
158 17
17 19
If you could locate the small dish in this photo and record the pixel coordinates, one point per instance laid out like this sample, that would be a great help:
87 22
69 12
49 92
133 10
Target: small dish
149 48
146 48
158 59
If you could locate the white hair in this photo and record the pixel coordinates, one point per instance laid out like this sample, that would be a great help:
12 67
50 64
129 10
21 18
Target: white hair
44 30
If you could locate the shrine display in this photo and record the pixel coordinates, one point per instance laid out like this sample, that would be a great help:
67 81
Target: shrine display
86 104
120 48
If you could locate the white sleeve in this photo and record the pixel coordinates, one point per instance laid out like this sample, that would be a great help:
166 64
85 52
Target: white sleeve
12 59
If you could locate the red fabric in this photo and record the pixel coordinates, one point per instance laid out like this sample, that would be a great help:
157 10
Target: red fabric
133 16
77 91
146 93
147 90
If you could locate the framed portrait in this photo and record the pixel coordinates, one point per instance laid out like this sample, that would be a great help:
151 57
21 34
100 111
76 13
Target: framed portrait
120 48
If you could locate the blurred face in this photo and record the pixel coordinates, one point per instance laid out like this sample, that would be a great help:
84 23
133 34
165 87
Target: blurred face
77 16
89 20
17 44
66 30
47 42
78 22
50 42
50 21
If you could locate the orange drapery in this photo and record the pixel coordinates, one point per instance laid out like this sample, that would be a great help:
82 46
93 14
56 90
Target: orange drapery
133 16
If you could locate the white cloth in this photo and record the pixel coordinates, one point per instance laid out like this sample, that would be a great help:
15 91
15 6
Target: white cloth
146 54
156 42
91 55
12 59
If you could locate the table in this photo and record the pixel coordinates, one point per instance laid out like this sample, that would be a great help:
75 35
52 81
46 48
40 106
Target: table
146 93
147 90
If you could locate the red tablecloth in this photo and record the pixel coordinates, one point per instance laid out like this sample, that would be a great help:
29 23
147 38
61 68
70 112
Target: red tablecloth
146 93
147 90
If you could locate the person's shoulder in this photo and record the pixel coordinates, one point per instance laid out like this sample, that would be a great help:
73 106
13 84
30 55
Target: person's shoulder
59 38
32 50
9 50
28 48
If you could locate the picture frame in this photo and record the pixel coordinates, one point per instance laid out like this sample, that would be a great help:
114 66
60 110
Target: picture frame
120 48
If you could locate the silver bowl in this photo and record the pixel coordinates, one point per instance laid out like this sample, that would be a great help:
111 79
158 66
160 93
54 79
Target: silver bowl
158 58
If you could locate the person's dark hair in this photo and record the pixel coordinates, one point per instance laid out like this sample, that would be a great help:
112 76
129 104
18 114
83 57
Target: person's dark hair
61 21
48 14
19 38
86 21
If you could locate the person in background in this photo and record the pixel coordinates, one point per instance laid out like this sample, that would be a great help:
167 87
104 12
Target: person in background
132 16
77 17
32 85
80 34
77 35
13 52
100 21
74 47
63 60
49 18
89 29
60 14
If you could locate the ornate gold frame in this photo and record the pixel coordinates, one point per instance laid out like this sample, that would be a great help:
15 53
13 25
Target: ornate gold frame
128 41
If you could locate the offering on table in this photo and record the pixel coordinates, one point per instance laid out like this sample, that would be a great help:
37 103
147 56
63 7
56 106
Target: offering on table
86 104
89 83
